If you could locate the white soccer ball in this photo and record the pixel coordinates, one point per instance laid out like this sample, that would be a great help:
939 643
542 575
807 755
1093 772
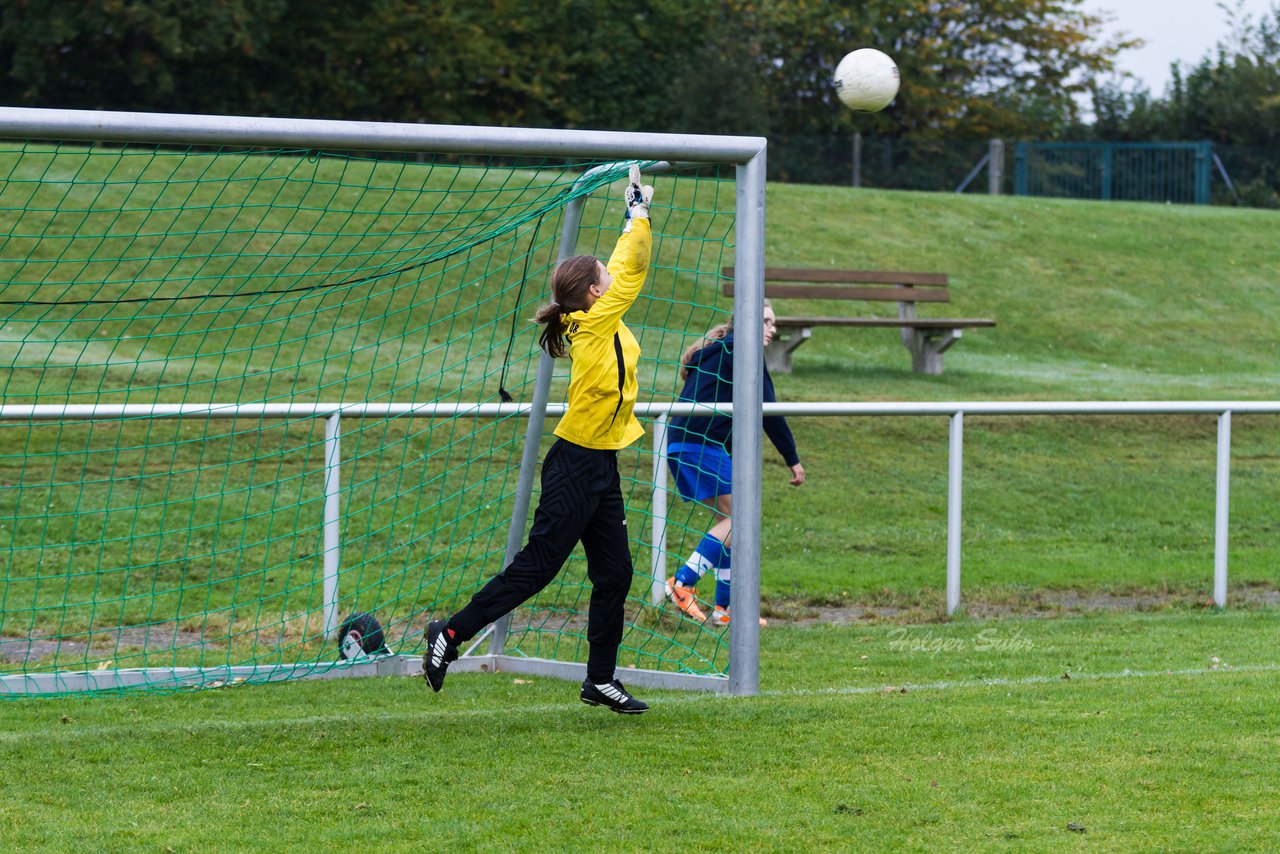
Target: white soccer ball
866 80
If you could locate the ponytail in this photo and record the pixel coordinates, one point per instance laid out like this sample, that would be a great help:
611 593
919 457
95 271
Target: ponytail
715 333
552 337
569 285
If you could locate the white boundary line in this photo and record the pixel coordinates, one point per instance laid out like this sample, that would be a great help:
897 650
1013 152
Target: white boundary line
365 719
1003 682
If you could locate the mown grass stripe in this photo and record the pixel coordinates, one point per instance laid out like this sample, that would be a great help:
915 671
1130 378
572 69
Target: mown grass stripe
368 718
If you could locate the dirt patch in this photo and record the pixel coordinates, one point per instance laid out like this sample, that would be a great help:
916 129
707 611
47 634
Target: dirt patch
1015 604
1006 605
24 650
1040 603
163 636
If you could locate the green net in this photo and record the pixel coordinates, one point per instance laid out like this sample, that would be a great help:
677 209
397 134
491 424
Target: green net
151 549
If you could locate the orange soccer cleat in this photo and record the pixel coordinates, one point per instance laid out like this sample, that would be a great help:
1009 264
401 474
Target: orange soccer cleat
684 599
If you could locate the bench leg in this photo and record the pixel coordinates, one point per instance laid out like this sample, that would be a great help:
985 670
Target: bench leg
927 347
777 356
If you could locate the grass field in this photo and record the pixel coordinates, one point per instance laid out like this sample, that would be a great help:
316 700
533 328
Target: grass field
1133 732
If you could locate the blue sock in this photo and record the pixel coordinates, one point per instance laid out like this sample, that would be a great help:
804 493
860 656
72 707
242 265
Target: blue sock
687 576
722 581
709 555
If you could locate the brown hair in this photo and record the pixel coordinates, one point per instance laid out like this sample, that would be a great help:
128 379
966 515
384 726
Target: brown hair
715 333
569 286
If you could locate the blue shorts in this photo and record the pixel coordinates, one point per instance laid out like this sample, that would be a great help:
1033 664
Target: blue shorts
701 471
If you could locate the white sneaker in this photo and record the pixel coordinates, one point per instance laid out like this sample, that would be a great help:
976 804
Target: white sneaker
720 617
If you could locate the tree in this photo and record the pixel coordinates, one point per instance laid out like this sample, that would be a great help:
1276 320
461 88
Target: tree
1231 98
976 68
163 54
971 68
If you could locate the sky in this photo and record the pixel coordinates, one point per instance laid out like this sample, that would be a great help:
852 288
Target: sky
1174 30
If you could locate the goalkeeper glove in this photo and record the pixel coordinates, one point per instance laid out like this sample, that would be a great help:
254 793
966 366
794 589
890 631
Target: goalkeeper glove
638 196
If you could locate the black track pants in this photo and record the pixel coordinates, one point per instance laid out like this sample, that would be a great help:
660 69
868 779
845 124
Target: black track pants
581 501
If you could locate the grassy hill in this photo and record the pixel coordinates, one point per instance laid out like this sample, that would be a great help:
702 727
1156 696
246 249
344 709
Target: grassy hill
1093 301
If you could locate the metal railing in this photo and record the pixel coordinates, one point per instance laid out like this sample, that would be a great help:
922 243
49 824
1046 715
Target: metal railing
661 413
332 413
955 465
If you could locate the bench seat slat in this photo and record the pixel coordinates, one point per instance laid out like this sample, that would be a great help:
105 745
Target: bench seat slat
881 294
916 323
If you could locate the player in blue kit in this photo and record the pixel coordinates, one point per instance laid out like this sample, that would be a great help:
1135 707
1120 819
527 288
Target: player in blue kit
698 453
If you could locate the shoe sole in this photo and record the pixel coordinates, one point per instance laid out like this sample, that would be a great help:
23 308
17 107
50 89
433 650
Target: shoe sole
434 686
612 709
426 676
694 617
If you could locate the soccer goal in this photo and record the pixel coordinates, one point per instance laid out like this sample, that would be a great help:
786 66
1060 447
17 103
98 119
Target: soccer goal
263 375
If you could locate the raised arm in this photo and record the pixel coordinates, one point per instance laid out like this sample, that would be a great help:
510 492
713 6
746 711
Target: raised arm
629 263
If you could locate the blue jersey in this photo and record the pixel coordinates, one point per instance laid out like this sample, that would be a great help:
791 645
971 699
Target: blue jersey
710 380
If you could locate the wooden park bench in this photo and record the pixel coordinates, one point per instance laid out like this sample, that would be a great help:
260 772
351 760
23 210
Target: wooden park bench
926 337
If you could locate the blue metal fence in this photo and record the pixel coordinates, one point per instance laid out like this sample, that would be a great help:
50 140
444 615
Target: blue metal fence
1176 172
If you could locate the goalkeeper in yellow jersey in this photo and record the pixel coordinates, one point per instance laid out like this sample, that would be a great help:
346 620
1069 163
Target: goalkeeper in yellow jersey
581 493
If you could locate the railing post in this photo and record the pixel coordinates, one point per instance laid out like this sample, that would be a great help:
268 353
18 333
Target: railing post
1107 191
1204 162
1222 514
955 475
857 159
659 543
995 167
332 521
1021 169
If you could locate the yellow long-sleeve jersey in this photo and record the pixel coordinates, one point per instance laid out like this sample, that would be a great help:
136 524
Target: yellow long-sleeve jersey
602 380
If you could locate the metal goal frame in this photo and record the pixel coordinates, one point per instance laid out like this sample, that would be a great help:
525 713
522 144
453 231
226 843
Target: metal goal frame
746 154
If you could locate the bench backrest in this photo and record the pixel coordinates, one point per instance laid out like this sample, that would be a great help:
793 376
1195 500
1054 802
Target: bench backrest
876 285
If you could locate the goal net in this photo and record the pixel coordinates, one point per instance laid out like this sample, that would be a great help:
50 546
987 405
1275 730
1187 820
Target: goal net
251 391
